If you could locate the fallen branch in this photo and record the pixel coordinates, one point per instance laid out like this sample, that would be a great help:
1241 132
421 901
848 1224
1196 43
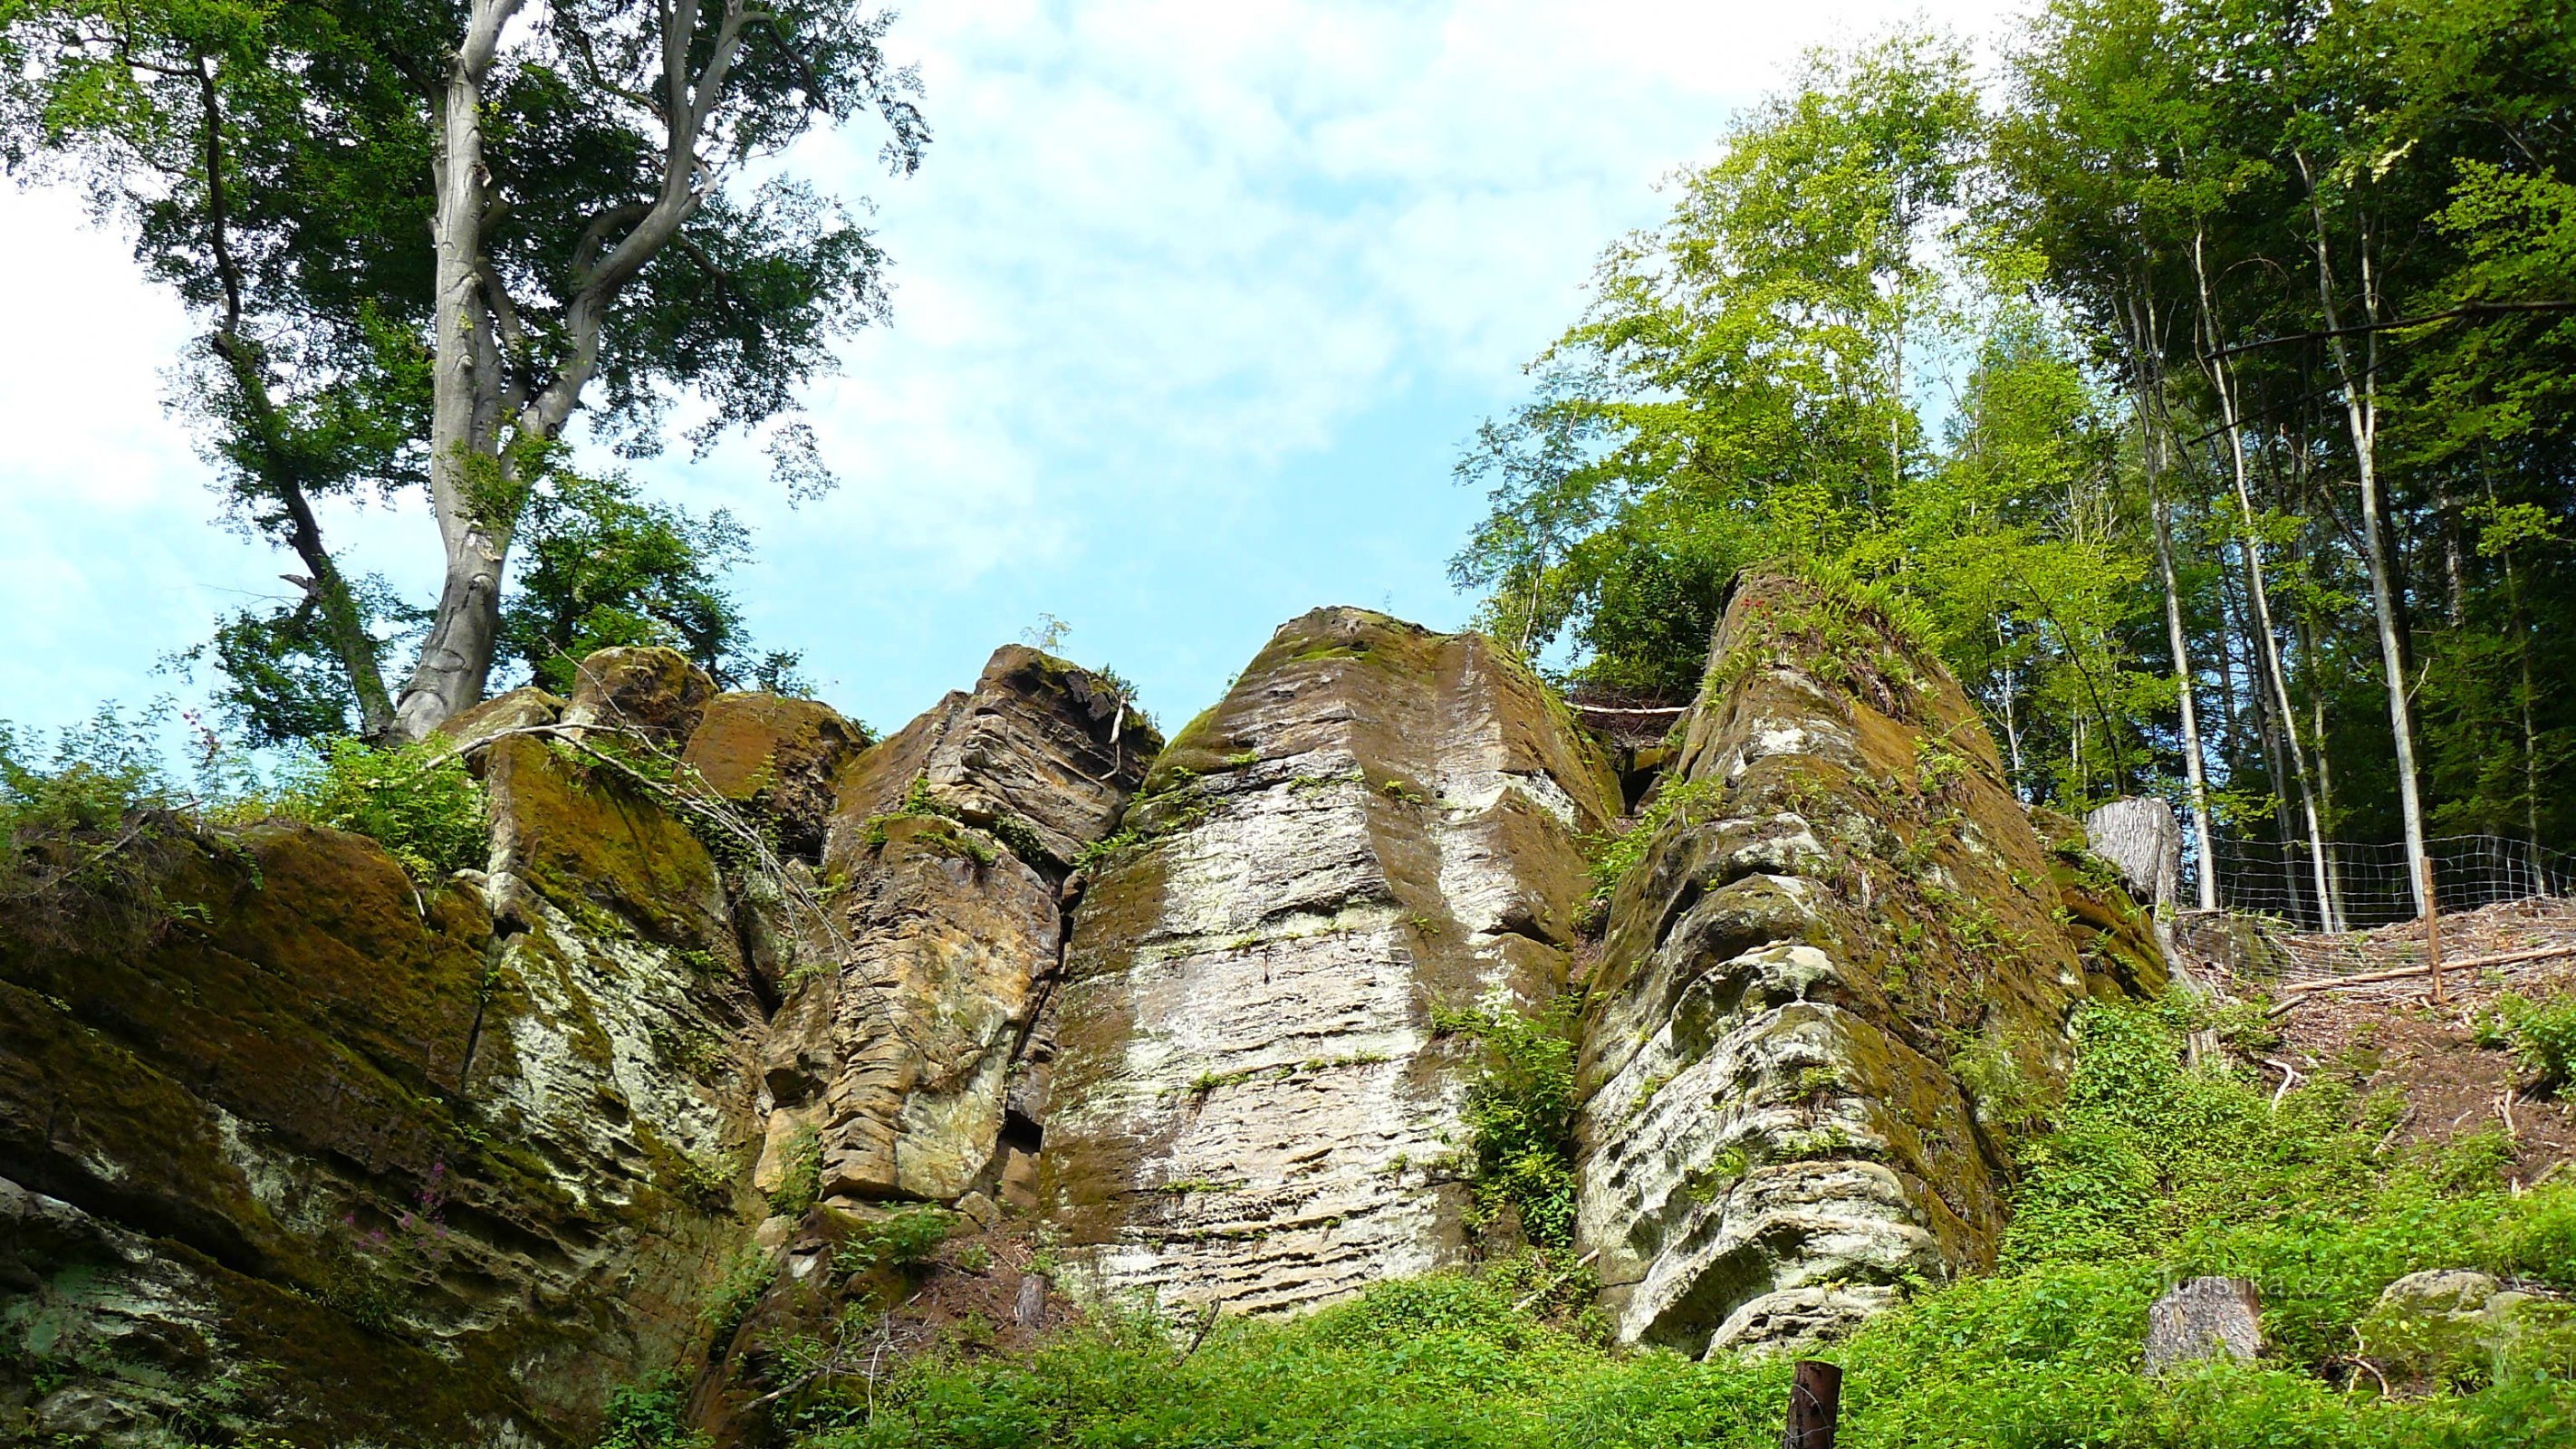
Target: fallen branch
2289 1078
2293 995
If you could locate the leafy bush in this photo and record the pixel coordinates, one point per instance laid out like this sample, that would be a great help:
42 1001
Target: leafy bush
1616 855
1519 1114
905 1241
648 1414
417 801
86 821
2542 1035
803 1181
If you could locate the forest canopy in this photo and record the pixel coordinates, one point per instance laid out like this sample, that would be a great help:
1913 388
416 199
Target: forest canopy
2199 391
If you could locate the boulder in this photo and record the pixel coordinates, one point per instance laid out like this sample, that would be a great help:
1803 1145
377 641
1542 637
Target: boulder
1842 905
518 709
777 755
1252 1106
2204 1318
2452 1325
653 695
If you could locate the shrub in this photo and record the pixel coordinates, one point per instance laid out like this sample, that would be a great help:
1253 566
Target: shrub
905 1241
1614 856
1519 1115
647 1414
86 822
803 1181
417 801
2542 1035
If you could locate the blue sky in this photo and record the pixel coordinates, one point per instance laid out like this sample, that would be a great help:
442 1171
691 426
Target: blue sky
1193 306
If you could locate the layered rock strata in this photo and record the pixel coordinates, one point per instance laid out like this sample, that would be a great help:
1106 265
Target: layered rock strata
301 1148
1837 981
889 1064
1252 1104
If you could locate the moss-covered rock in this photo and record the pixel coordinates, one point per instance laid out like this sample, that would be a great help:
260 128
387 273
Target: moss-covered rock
652 695
1836 982
330 1159
780 756
1252 1105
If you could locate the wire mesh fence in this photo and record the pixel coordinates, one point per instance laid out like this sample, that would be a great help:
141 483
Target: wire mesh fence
2369 886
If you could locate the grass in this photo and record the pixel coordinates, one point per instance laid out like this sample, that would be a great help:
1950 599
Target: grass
2154 1172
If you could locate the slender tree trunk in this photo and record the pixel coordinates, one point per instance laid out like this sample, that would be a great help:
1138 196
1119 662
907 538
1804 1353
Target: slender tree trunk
2523 702
2150 456
2322 821
2360 401
468 489
2266 637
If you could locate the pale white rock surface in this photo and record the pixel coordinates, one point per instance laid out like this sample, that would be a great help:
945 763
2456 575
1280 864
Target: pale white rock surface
1842 901
1251 1106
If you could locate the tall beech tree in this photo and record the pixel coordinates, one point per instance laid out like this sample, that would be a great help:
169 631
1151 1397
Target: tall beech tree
428 237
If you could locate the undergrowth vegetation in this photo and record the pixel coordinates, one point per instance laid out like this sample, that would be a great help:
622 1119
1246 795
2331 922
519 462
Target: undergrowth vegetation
417 801
1519 1115
90 815
2154 1172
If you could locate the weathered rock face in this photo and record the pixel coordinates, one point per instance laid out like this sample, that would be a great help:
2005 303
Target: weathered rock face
654 695
1845 921
344 1162
1251 1107
891 1058
782 757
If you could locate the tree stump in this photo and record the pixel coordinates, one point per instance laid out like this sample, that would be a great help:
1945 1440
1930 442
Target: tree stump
2139 837
2204 1318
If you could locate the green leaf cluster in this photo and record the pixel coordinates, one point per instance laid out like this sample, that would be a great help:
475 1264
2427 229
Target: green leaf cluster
417 801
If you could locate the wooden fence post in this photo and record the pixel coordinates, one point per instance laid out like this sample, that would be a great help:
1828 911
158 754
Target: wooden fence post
2433 932
1815 1405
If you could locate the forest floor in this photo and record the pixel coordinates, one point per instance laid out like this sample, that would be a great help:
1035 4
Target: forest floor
2392 1035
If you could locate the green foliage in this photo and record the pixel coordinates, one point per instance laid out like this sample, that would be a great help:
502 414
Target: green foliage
1614 856
1519 1114
905 1242
601 565
803 1182
2542 1035
1125 688
649 1414
747 1274
417 801
88 820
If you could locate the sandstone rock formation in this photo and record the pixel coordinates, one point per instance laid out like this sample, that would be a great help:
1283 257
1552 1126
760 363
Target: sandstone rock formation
890 1059
781 757
288 1127
341 1157
1833 985
1252 1106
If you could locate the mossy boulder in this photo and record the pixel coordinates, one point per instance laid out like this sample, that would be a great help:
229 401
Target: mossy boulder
780 756
653 695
